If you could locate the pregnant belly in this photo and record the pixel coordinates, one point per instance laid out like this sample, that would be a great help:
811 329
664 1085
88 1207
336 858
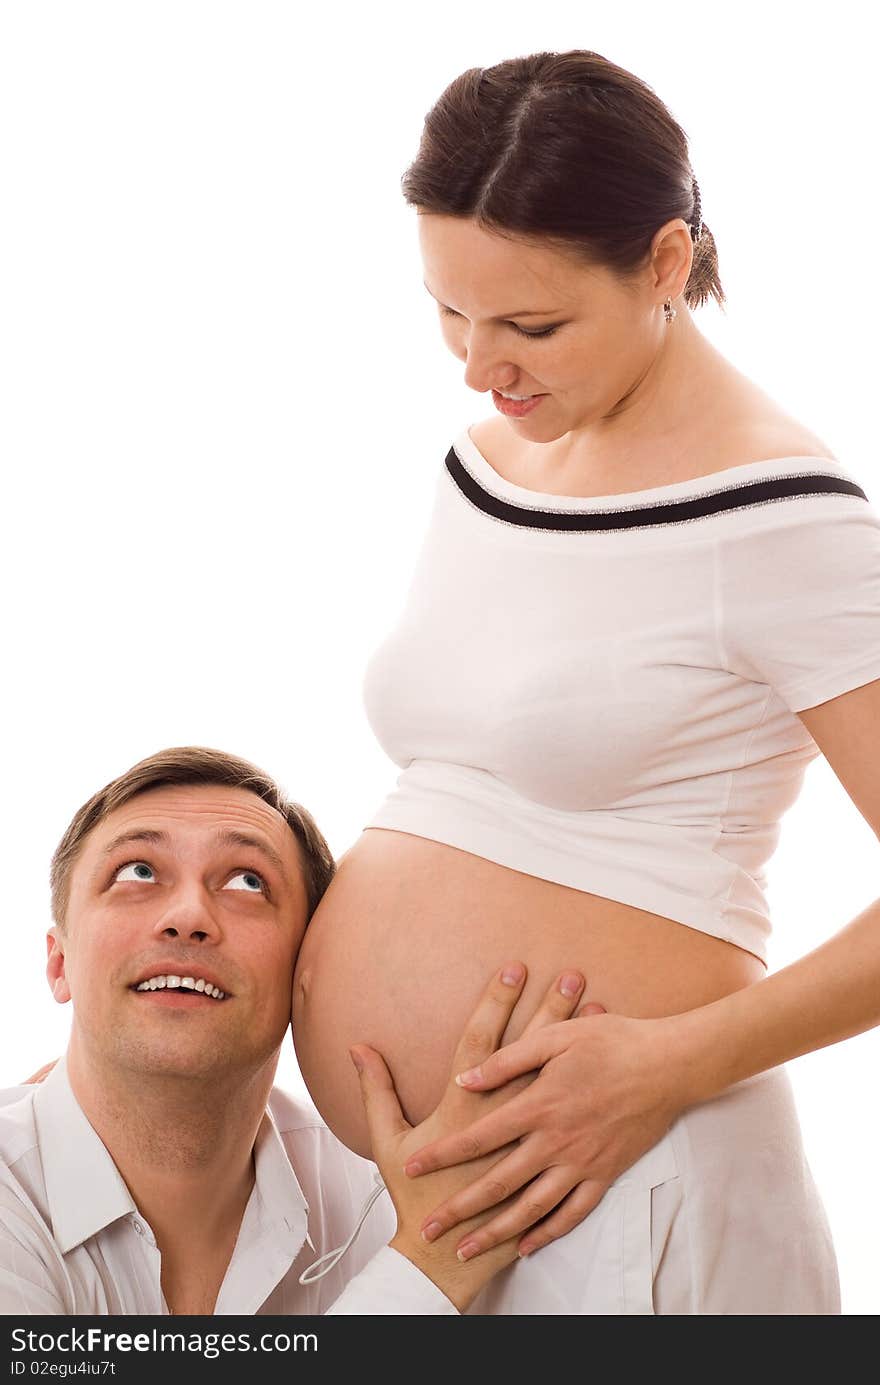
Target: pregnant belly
409 932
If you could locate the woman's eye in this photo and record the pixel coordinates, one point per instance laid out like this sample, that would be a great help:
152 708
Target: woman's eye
136 870
521 331
246 880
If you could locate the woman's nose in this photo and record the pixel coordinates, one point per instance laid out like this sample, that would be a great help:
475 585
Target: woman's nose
484 368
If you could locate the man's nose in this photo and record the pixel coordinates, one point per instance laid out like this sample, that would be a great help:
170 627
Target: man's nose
189 915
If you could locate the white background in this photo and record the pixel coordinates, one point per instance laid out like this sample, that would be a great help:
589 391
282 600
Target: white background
226 399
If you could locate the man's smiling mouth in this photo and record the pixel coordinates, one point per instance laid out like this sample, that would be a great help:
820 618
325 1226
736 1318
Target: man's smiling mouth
196 984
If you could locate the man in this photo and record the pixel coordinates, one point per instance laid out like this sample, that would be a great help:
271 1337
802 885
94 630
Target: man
156 1169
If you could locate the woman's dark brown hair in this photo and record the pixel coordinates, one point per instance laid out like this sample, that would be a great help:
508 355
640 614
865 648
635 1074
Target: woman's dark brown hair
565 148
192 764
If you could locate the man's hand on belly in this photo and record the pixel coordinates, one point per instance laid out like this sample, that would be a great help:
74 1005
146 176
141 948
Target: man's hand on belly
394 1139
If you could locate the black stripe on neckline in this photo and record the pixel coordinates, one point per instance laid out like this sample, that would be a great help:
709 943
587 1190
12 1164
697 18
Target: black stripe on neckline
742 495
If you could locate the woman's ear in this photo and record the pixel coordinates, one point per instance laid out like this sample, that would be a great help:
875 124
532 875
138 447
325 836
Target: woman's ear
55 973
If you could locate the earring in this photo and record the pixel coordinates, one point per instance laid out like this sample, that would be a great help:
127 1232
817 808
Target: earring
670 312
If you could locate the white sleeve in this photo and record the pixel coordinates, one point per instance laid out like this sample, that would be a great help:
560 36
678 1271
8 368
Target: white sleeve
27 1284
799 605
389 1284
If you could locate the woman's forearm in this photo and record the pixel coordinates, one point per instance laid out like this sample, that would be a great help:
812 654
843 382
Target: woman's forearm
608 1087
830 994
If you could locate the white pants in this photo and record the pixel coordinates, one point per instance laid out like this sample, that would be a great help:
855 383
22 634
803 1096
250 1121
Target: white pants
720 1217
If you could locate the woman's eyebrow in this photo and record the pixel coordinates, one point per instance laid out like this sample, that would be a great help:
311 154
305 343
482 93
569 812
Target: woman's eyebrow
525 312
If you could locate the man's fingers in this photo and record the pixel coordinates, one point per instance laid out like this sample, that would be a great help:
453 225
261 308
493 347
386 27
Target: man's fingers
592 1007
42 1072
500 1127
537 1203
570 1212
507 1176
384 1116
559 1001
488 1021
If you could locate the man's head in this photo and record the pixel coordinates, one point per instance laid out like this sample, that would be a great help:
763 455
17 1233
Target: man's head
191 765
192 868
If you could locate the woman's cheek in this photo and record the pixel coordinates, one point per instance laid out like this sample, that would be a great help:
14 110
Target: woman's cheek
455 342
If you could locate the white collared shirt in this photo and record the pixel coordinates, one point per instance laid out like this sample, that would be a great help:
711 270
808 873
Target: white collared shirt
72 1240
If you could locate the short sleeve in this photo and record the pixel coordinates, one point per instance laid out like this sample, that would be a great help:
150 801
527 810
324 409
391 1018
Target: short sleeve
799 599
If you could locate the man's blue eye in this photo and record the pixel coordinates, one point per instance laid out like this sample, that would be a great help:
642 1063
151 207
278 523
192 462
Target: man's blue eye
249 880
136 870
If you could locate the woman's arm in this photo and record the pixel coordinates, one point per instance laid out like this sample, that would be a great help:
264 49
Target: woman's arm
610 1087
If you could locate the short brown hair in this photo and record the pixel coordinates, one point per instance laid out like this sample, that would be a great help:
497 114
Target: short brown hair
566 148
191 764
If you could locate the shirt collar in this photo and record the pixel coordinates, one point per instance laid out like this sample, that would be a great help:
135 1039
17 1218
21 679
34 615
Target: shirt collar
279 1191
86 1192
273 1229
84 1189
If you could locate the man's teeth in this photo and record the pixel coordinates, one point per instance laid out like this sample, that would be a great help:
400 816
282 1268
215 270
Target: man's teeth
184 983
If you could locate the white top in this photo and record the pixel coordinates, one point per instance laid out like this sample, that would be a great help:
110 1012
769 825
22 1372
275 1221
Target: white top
602 691
73 1242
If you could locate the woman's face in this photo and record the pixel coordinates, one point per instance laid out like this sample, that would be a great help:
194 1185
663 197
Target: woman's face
497 299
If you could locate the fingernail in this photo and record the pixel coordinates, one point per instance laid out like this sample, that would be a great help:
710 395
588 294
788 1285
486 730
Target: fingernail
524 1251
466 1079
432 1231
355 1058
570 985
413 1168
466 1251
512 974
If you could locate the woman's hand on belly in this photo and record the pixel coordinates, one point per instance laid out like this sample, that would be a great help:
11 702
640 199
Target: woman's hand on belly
394 1139
604 1094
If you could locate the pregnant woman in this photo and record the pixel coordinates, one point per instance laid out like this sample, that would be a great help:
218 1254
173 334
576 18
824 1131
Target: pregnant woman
648 598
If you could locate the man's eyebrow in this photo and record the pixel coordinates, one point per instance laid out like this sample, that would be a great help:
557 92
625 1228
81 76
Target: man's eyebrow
230 837
137 834
526 312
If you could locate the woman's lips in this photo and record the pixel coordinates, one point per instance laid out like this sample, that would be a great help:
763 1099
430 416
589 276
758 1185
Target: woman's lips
516 408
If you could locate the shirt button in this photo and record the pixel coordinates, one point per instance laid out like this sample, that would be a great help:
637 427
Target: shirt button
138 1226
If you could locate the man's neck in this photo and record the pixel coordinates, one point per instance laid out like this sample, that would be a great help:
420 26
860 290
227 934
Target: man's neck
183 1145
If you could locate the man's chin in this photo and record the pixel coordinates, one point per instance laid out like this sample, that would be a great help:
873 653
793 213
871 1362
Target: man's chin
162 1062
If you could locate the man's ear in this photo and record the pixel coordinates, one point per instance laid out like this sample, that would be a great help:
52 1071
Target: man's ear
55 973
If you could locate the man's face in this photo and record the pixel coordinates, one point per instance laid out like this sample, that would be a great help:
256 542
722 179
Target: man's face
191 881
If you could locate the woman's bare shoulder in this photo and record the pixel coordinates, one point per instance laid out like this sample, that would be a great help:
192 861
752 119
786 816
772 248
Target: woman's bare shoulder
788 443
752 434
489 432
757 428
